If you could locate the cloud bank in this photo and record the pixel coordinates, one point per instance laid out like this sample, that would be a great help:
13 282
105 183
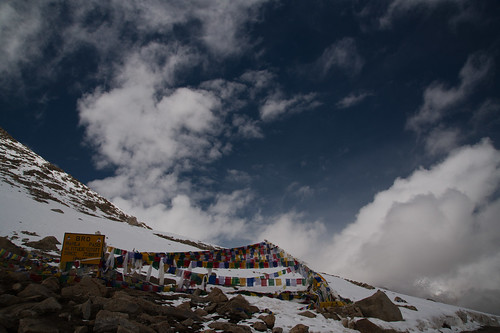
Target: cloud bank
433 234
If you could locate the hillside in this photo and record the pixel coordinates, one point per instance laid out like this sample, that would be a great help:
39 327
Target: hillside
39 200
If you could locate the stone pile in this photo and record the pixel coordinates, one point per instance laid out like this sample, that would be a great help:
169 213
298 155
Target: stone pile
89 306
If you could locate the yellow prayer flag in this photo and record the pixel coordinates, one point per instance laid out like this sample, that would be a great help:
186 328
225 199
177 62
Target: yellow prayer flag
278 282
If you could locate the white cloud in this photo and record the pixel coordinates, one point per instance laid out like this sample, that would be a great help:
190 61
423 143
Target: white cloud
439 100
20 27
247 128
277 105
427 234
442 141
400 8
296 236
342 54
223 24
353 99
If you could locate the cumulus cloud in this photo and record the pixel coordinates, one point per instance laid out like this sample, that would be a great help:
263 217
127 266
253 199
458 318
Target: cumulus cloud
429 234
343 55
352 99
294 235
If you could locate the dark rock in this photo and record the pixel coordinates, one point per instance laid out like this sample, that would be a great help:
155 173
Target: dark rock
45 244
307 314
129 306
86 287
16 311
106 321
188 322
52 283
349 310
331 315
8 299
201 312
277 330
17 287
148 319
36 325
269 320
230 327
122 329
7 245
47 306
86 309
217 296
184 306
163 327
366 326
35 289
211 308
237 307
410 307
81 329
300 328
19 276
260 326
379 306
179 314
399 299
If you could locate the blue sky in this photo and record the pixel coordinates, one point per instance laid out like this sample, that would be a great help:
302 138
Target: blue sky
321 126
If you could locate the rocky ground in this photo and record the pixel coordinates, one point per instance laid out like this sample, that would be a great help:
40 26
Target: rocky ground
29 303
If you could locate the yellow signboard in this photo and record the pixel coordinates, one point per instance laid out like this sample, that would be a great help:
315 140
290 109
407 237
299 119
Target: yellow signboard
86 248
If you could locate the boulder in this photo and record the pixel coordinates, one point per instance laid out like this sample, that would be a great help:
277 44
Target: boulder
45 244
347 311
300 328
87 310
52 283
260 326
32 325
277 330
269 320
307 314
34 289
237 307
163 327
7 245
366 326
8 299
379 306
201 312
216 296
106 321
129 306
179 314
81 291
230 327
47 306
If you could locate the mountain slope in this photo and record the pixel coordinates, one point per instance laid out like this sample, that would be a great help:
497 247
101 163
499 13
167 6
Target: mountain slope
38 197
37 200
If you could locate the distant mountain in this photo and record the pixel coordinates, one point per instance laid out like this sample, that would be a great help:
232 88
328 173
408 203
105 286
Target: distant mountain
21 167
50 202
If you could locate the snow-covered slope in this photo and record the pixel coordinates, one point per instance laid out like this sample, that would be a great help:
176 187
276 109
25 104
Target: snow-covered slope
37 197
38 200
